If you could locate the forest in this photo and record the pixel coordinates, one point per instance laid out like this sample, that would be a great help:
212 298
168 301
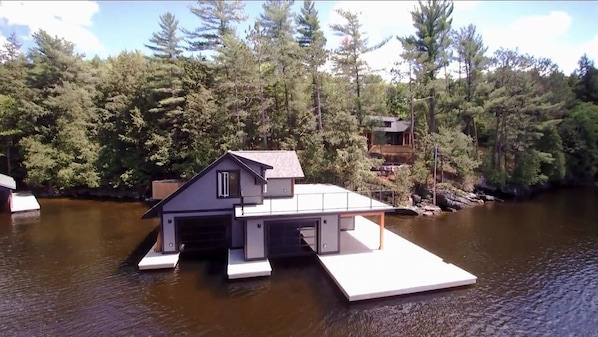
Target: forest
69 122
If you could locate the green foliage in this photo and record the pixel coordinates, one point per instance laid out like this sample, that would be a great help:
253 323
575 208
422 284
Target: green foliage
217 18
348 57
428 50
455 149
60 148
403 183
551 144
122 121
579 134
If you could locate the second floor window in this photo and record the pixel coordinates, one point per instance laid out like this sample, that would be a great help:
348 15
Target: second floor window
229 184
387 124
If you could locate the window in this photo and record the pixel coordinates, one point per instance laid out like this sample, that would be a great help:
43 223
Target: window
229 184
387 124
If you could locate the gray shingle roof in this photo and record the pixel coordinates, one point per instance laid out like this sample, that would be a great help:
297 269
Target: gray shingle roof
397 124
7 182
285 163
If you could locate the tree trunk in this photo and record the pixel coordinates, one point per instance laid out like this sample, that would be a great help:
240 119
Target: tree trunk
475 138
359 112
317 106
505 140
496 151
262 110
432 111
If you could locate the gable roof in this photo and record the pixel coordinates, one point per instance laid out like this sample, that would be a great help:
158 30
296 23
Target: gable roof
284 164
397 124
7 182
153 212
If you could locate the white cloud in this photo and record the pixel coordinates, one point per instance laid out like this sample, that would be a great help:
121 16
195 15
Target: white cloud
67 19
590 48
382 19
542 35
538 35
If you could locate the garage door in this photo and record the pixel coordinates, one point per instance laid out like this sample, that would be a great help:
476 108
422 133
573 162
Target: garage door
292 237
203 233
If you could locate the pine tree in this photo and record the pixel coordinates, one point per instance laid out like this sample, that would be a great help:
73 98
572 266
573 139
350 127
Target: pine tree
59 145
166 114
217 19
283 54
165 44
312 40
122 130
430 45
470 53
586 78
348 57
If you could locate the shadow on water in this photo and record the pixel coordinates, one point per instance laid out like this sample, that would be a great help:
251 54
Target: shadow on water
129 264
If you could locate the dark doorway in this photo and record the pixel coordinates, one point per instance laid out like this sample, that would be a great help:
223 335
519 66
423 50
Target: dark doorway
203 234
292 237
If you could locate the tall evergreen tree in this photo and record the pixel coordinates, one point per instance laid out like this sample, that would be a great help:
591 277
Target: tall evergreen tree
122 130
311 39
284 55
165 116
472 62
430 45
348 57
59 145
217 19
165 44
586 80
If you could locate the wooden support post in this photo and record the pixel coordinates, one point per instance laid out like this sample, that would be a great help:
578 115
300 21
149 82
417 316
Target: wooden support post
158 247
381 231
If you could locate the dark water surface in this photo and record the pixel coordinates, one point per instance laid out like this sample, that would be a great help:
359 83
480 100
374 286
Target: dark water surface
74 273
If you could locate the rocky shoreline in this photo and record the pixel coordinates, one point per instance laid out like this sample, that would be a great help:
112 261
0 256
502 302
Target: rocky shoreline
452 200
446 201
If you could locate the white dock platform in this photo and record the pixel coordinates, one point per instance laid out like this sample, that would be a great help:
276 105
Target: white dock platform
239 268
23 202
362 271
157 260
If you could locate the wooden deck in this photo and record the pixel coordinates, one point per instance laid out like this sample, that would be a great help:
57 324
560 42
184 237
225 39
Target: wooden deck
393 153
362 271
391 149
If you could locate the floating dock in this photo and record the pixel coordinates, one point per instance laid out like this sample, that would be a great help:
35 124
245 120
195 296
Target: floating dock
23 202
239 268
157 260
362 271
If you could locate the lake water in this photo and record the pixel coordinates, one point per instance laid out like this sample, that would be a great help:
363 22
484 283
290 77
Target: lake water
74 273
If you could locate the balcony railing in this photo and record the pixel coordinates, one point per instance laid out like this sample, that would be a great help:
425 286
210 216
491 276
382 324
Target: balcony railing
313 202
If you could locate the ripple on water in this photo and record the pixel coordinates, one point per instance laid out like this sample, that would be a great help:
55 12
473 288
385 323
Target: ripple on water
66 277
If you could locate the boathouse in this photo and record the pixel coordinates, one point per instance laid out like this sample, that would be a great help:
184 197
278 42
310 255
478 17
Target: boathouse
249 200
249 204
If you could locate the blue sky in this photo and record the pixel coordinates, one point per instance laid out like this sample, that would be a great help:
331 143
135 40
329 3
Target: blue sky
561 31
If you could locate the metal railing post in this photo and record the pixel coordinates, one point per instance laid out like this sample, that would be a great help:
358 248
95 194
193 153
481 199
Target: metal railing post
371 200
347 200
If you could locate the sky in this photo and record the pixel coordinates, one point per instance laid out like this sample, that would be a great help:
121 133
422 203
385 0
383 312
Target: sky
560 31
